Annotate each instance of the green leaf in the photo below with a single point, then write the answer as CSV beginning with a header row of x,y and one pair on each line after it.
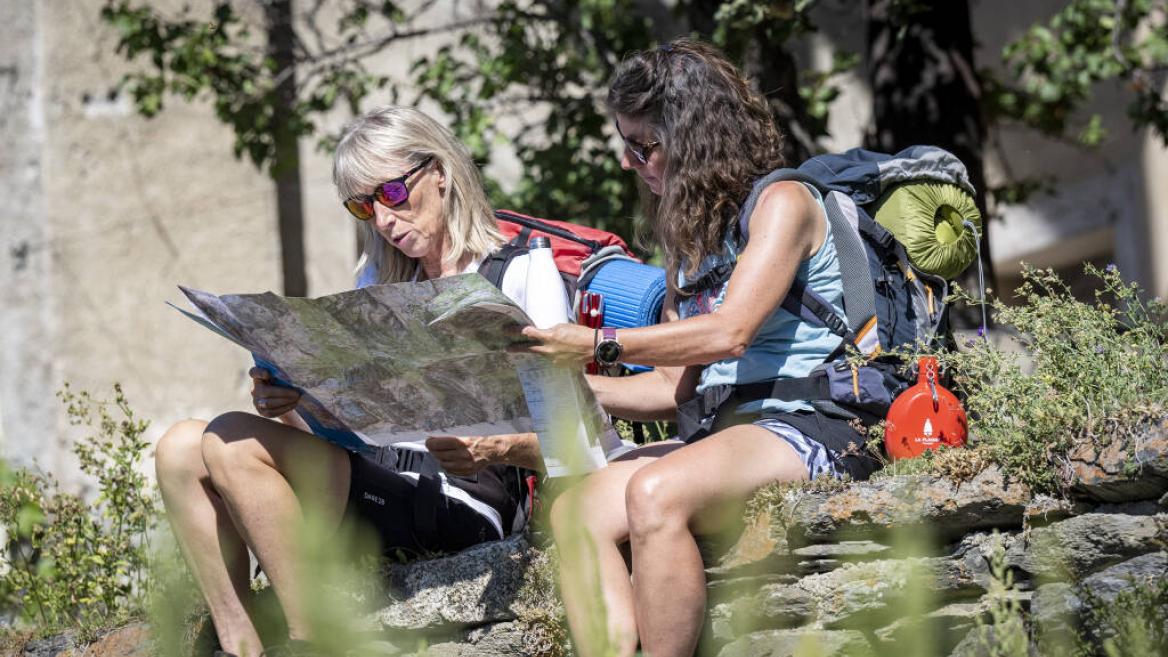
x,y
28,517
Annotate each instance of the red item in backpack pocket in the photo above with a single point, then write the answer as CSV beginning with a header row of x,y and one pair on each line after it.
x,y
571,243
925,416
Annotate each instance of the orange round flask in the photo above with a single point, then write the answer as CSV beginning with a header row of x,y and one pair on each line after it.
x,y
925,416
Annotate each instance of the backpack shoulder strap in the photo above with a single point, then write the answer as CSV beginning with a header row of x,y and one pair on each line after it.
x,y
531,223
859,292
495,265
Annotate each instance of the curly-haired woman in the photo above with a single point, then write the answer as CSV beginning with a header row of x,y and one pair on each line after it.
x,y
699,139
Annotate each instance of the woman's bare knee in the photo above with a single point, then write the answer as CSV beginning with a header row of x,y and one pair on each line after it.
x,y
178,454
596,504
227,446
237,447
562,513
573,515
654,501
234,426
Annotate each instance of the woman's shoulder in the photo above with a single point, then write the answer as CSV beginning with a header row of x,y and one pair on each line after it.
x,y
785,200
790,194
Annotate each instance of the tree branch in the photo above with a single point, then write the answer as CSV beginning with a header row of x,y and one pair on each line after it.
x,y
355,51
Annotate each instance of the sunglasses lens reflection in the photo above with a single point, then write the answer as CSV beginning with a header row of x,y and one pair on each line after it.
x,y
361,209
392,193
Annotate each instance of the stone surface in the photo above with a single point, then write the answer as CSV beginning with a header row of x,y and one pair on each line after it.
x,y
753,551
776,605
862,594
725,589
766,596
1104,586
1056,606
1123,470
1079,546
975,643
787,643
497,640
923,506
1044,509
844,549
947,625
49,646
129,641
760,549
471,588
975,551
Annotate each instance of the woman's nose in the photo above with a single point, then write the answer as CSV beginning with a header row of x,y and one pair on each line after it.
x,y
382,216
627,162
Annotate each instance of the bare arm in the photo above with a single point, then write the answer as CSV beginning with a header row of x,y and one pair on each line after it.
x,y
462,455
647,396
784,230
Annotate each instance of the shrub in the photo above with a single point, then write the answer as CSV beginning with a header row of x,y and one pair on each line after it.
x,y
1100,372
68,561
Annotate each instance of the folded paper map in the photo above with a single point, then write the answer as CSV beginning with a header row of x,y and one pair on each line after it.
x,y
397,363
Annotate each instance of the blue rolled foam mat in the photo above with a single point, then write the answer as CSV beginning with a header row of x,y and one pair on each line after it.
x,y
633,293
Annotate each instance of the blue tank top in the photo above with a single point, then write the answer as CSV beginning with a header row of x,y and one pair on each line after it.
x,y
786,346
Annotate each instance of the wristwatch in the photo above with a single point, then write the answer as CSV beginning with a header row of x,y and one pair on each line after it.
x,y
608,349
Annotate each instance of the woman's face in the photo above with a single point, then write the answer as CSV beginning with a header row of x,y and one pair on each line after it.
x,y
417,226
639,139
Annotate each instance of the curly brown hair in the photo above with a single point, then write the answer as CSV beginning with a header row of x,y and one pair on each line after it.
x,y
718,137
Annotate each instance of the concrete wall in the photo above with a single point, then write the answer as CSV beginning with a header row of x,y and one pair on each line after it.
x,y
106,213
27,350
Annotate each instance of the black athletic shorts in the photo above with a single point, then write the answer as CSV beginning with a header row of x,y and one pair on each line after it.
x,y
406,521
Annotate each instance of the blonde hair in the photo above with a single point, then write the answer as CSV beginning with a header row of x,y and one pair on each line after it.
x,y
382,138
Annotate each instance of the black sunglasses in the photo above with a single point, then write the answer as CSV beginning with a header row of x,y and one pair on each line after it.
x,y
390,193
641,151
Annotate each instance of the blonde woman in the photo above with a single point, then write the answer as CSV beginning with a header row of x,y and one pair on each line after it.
x,y
240,481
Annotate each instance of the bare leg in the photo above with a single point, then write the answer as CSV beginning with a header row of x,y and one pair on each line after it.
x,y
700,489
269,475
212,547
590,527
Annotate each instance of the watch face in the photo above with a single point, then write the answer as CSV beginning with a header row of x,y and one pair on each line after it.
x,y
608,352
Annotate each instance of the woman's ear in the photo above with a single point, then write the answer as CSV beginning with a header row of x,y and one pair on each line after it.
x,y
441,178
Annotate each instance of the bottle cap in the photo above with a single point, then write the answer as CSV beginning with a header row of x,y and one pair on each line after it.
x,y
539,243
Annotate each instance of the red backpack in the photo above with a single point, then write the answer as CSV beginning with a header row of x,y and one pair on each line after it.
x,y
578,250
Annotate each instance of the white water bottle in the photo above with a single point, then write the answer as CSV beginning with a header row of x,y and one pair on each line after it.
x,y
555,394
545,285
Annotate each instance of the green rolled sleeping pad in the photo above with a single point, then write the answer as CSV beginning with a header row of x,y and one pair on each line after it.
x,y
926,218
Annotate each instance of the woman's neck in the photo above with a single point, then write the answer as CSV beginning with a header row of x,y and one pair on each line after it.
x,y
438,267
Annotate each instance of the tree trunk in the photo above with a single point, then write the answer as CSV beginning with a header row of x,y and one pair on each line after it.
x,y
286,164
926,91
